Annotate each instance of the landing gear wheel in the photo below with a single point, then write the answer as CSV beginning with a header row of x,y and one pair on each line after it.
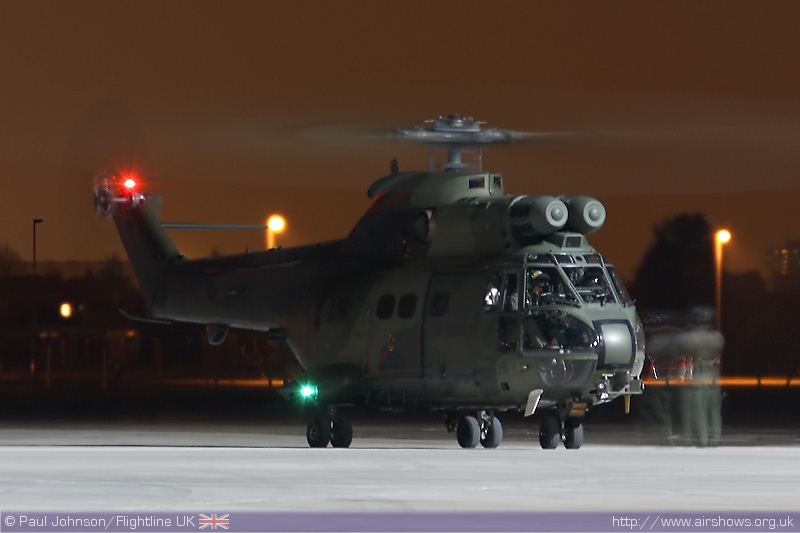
x,y
468,432
550,433
318,432
491,433
573,433
341,432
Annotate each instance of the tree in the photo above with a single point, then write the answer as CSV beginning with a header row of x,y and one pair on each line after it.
x,y
677,273
10,261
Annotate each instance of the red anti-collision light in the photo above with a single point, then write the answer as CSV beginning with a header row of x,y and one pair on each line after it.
x,y
130,183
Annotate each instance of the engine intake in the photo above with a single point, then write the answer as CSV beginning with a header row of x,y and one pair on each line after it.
x,y
586,214
534,216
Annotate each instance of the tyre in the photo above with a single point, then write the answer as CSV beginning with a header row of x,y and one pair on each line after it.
x,y
468,432
318,432
341,432
573,434
550,433
492,434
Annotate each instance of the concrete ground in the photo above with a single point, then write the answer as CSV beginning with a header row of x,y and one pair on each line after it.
x,y
401,463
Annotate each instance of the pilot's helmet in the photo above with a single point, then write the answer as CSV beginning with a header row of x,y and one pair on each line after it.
x,y
539,278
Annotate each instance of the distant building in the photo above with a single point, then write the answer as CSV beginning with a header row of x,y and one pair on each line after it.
x,y
784,265
93,345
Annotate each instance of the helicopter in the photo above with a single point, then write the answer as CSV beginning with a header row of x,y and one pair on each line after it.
x,y
448,294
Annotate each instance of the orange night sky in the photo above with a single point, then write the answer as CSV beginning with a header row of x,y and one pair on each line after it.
x,y
230,109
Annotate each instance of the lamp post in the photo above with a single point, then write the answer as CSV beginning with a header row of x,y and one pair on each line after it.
x,y
275,224
35,339
722,237
36,221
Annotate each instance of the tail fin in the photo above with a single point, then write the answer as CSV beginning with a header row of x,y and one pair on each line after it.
x,y
135,215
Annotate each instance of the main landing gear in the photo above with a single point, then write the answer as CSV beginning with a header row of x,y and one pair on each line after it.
x,y
330,428
471,430
552,431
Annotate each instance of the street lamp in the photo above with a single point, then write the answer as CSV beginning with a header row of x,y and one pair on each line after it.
x,y
275,224
35,339
36,221
723,236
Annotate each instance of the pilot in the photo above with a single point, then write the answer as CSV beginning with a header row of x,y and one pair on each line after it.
x,y
592,287
539,284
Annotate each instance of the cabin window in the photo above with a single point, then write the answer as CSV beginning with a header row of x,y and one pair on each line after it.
x,y
407,305
385,306
498,182
491,300
477,183
439,304
511,293
540,258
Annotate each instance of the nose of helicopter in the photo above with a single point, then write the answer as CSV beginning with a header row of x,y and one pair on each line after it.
x,y
617,344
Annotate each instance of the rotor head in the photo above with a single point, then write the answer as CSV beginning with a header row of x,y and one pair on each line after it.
x,y
460,135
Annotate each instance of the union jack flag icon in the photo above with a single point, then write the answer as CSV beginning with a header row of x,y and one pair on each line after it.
x,y
214,521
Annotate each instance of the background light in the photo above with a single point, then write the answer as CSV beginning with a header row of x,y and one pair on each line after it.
x,y
721,237
275,224
65,310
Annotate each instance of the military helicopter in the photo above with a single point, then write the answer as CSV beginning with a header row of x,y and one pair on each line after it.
x,y
448,294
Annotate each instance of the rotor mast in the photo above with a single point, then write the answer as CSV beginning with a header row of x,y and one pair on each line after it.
x,y
460,136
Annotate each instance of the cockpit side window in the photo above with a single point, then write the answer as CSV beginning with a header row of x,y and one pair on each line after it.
x,y
591,283
622,294
511,292
545,285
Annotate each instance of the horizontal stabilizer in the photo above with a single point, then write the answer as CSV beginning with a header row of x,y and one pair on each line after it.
x,y
145,319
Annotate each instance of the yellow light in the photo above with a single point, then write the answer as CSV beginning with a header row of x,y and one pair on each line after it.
x,y
276,223
66,310
723,236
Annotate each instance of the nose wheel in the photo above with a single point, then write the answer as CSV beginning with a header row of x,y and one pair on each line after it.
x,y
552,432
485,429
573,433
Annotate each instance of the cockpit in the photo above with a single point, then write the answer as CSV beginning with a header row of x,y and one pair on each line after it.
x,y
544,306
574,280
